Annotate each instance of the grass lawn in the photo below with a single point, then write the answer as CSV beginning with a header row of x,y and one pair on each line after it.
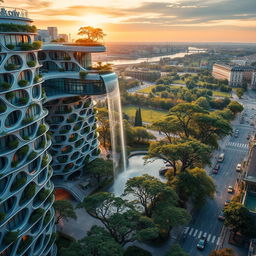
x,y
148,115
178,82
221,94
147,90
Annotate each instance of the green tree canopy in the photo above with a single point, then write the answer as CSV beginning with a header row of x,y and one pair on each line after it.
x,y
120,218
91,34
182,155
64,210
239,92
141,134
135,250
195,184
100,169
147,190
176,250
184,114
98,242
238,219
235,107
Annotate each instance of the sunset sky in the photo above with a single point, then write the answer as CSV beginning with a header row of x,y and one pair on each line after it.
x,y
150,20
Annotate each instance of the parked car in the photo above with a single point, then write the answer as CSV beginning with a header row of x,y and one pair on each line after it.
x,y
216,168
239,168
201,243
221,217
230,189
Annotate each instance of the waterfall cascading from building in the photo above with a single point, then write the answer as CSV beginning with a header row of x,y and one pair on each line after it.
x,y
116,125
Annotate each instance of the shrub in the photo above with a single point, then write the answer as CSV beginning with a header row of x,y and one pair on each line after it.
x,y
28,193
31,156
10,95
13,144
10,237
31,63
63,131
41,129
42,195
83,74
37,78
18,183
27,120
4,27
23,151
47,217
10,46
4,86
23,100
23,83
11,66
2,216
36,215
61,70
44,161
14,163
67,58
2,108
42,144
37,45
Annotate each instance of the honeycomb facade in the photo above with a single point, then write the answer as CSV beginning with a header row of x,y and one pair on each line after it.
x,y
26,192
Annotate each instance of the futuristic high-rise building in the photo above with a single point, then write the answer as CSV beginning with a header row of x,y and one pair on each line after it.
x,y
47,127
26,192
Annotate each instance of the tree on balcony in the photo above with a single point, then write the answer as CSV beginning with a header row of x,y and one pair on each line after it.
x,y
64,210
91,35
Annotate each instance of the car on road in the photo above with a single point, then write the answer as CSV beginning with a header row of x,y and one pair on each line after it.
x,y
221,216
239,167
248,137
227,202
216,168
230,189
221,157
201,243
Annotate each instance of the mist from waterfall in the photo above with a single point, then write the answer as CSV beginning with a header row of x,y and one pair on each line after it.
x,y
116,124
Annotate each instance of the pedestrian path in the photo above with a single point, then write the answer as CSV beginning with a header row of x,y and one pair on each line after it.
x,y
196,233
237,145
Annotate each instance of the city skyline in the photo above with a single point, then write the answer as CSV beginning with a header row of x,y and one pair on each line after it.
x,y
150,21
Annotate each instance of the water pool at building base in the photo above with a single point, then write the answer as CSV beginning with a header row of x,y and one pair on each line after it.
x,y
136,167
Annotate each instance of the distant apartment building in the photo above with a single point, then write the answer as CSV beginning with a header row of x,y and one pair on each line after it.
x,y
150,76
236,75
249,179
63,36
43,35
53,32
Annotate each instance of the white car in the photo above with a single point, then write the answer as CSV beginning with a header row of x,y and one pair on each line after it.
x,y
230,189
239,168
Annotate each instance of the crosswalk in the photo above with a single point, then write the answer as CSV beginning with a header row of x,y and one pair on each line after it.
x,y
237,145
196,233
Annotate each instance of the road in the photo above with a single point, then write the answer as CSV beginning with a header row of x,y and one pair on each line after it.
x,y
235,149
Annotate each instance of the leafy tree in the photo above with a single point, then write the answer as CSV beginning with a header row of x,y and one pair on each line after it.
x,y
166,215
147,191
182,155
104,127
169,127
238,219
91,34
235,107
120,218
184,114
210,127
223,252
176,250
138,118
239,92
98,242
203,103
100,169
135,250
141,134
64,210
195,184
